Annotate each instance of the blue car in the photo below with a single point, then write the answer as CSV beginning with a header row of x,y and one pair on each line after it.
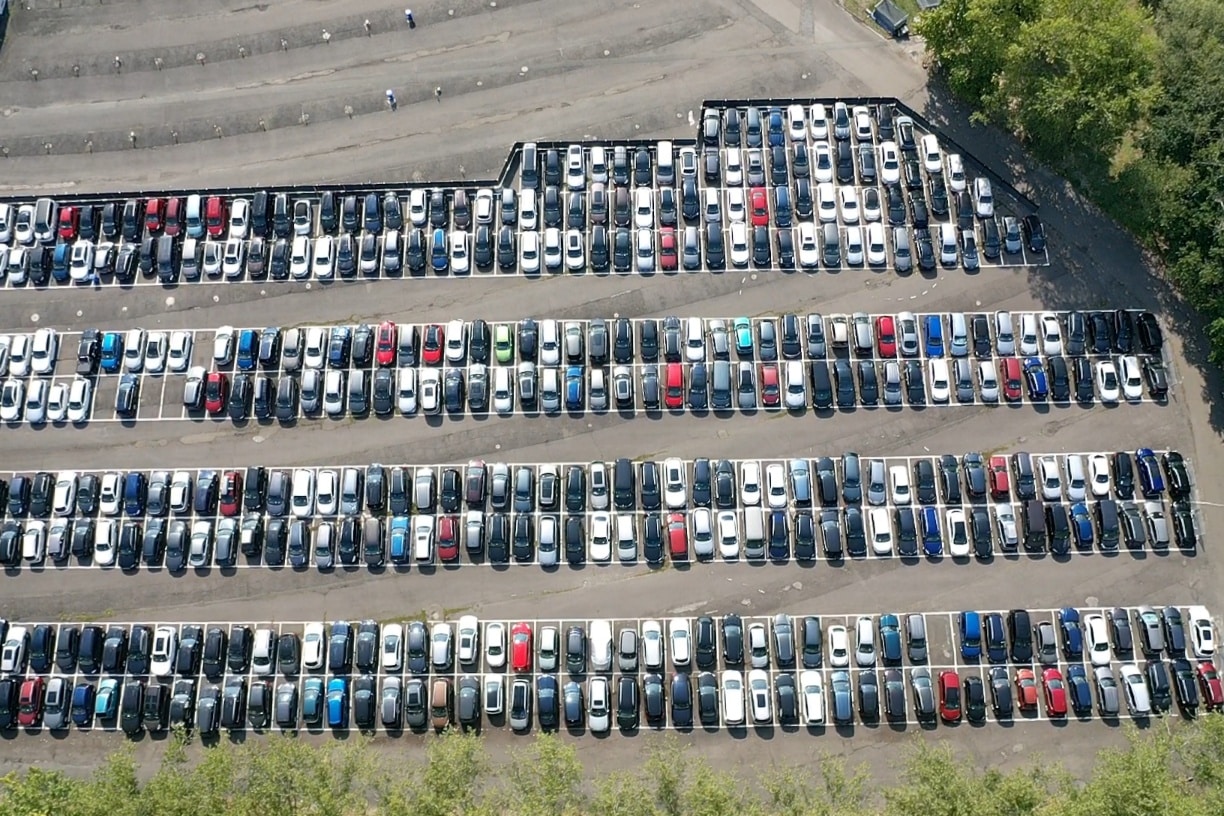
x,y
1081,526
1034,373
971,635
932,540
106,704
1150,476
439,254
890,639
573,388
933,329
1073,637
1077,690
337,703
400,540
111,357
312,700
82,705
996,638
248,347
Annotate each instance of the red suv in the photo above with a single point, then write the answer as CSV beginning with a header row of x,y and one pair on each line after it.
x,y
216,392
1012,379
1000,478
231,493
771,393
174,216
215,215
758,203
385,354
677,537
435,342
886,335
448,538
667,249
949,697
29,704
520,647
69,221
153,215
675,386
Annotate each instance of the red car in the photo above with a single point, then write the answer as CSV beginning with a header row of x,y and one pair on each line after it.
x,y
758,203
949,697
1011,379
667,249
174,216
153,215
435,343
1055,692
1000,478
677,537
674,397
1209,683
771,393
1026,689
69,221
384,354
448,538
886,331
29,704
215,215
231,493
216,392
520,647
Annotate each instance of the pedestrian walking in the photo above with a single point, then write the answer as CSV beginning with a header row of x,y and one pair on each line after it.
x,y
391,100
408,18
438,93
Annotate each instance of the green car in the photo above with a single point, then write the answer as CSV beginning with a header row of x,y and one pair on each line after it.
x,y
743,337
106,704
503,343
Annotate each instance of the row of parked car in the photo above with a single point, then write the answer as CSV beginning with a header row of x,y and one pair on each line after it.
x,y
735,673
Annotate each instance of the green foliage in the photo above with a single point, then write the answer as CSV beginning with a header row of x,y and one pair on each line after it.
x,y
1170,771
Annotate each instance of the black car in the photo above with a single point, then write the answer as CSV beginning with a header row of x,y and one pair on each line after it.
x,y
1034,233
89,353
733,640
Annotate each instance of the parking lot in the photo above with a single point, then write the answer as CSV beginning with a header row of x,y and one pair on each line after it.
x,y
629,513
1084,274
916,651
770,179
795,363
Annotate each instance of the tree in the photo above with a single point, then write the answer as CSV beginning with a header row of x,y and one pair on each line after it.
x,y
543,780
968,41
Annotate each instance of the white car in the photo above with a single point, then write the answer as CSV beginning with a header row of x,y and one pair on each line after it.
x,y
315,354
847,196
890,163
327,498
1132,378
822,162
759,695
881,530
503,390
553,253
456,341
81,261
1051,334
599,706
1138,699
679,637
323,264
854,246
899,478
302,500
775,486
34,541
469,639
80,400
223,346
652,645
19,355
575,251
165,648
601,537
104,543
178,355
43,351
941,380
956,173
431,388
932,157
299,257
809,250
811,690
406,392
110,494
826,202
239,219
643,207
13,654
1202,634
1099,475
36,402
839,647
23,225
728,534
732,698
1005,526
703,532
212,262
1107,382
675,489
818,121
1096,640
877,249
750,484
495,645
864,637
1028,334
12,400
459,262
529,252
795,125
737,207
57,402
1077,482
1051,478
392,647
333,392
155,351
734,169
314,646
739,244
796,386
984,197
957,533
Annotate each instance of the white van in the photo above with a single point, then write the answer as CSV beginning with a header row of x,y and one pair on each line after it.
x,y
550,344
192,217
599,165
947,244
192,255
601,645
423,538
665,171
754,532
733,698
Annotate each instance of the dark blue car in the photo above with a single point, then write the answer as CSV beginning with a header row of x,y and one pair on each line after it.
x,y
1073,636
1081,526
573,388
1078,693
82,705
248,348
1150,477
1034,373
932,541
